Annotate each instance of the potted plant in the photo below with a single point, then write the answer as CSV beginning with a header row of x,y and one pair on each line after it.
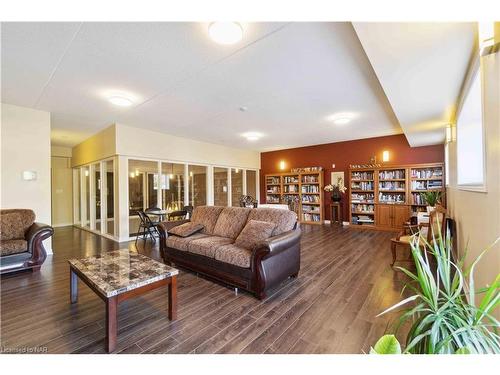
x,y
447,314
336,189
431,198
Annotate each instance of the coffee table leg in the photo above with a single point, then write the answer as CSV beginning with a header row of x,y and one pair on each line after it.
x,y
111,324
172,298
73,286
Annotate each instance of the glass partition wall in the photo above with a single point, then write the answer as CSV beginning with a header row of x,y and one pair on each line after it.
x,y
152,184
93,197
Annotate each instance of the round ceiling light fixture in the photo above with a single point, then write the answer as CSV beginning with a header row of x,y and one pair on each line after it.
x,y
120,101
252,136
341,118
225,32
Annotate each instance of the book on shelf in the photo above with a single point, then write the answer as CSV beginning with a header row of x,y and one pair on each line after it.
x,y
310,179
311,217
361,185
310,199
396,174
366,208
391,198
362,197
310,188
272,180
361,175
436,172
392,185
291,179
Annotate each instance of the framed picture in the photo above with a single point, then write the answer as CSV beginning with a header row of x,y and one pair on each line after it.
x,y
335,176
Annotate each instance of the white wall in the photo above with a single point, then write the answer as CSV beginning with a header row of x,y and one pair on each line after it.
x,y
477,214
25,140
143,143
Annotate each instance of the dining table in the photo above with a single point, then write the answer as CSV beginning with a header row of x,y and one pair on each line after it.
x,y
161,214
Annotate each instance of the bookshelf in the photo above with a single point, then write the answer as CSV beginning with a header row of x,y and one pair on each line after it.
x,y
303,192
385,197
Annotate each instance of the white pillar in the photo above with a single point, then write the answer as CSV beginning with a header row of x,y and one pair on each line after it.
x,y
210,185
121,215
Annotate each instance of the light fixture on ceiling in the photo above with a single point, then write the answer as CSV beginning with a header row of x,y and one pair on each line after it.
x,y
225,32
341,118
120,101
252,136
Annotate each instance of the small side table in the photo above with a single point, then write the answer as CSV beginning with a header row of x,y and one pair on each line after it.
x,y
336,213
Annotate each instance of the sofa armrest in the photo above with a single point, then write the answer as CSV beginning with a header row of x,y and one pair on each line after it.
x,y
277,244
34,236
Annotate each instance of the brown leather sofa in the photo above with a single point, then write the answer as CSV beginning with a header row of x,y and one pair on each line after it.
x,y
212,252
21,239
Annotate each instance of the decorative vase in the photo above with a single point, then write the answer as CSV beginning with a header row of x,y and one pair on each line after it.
x,y
430,209
336,196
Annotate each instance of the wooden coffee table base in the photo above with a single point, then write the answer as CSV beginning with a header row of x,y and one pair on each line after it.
x,y
112,302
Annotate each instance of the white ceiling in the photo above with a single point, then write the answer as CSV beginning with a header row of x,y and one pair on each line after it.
x,y
421,67
289,76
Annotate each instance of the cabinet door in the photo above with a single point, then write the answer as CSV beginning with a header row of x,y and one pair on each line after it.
x,y
401,215
384,216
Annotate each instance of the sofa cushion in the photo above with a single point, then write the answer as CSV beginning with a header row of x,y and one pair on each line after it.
x,y
207,246
254,233
206,216
9,247
181,243
186,229
231,221
284,219
234,255
14,223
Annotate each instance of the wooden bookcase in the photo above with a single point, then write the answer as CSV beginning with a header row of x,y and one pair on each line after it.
x,y
302,191
385,197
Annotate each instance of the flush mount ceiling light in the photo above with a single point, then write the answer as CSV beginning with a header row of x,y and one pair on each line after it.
x,y
225,32
120,101
341,118
252,136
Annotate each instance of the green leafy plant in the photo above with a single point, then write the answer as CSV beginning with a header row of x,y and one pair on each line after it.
x,y
387,344
431,197
445,318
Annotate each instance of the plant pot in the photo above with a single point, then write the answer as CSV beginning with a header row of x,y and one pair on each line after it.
x,y
430,209
336,196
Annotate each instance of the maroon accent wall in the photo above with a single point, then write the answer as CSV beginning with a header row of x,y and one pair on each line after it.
x,y
342,154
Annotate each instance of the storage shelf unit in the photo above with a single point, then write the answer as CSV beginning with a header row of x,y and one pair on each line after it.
x,y
303,192
385,197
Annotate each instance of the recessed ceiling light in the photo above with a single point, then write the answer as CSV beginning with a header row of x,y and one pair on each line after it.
x,y
225,32
252,136
341,118
120,101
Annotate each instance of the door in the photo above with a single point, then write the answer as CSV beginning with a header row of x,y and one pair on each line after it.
x,y
401,215
384,216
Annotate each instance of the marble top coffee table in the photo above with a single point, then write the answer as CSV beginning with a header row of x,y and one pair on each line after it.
x,y
119,275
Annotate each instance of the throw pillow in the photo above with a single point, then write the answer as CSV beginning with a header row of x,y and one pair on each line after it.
x,y
254,233
186,229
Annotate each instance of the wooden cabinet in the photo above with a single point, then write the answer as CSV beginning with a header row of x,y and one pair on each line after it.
x,y
392,216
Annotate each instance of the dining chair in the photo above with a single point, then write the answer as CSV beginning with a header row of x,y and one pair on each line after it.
x,y
147,227
425,232
177,215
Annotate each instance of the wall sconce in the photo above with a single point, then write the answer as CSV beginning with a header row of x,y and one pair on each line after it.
x,y
282,165
29,175
86,173
385,156
132,174
136,173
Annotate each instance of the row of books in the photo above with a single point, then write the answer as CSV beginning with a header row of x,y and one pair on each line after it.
x,y
310,209
363,207
291,180
362,197
427,173
272,199
291,189
310,199
273,180
427,185
363,185
362,176
393,174
391,198
310,179
362,219
311,217
391,185
310,189
273,189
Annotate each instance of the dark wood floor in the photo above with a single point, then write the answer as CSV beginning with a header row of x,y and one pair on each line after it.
x,y
345,280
